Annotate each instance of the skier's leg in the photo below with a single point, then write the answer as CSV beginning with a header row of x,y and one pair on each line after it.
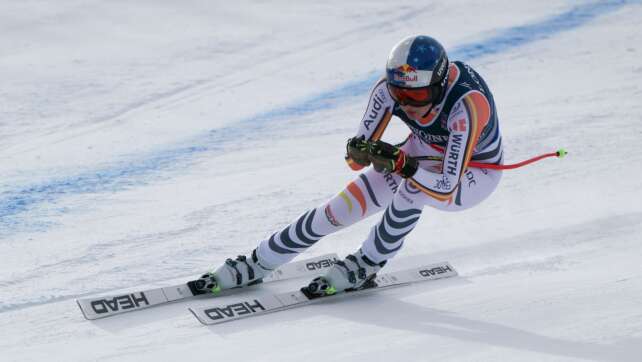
x,y
387,237
401,216
383,242
369,193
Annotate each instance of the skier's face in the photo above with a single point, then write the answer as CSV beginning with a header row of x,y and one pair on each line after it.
x,y
416,113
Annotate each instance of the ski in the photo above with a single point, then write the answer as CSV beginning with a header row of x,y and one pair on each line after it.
x,y
107,306
269,303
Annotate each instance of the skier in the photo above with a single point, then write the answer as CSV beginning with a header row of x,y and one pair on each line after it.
x,y
451,113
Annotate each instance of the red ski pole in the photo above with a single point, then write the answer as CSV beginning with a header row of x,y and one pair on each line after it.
x,y
559,153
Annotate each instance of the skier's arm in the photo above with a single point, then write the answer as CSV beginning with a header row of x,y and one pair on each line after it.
x,y
468,118
375,119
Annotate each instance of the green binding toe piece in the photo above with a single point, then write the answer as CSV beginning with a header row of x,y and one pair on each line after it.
x,y
561,153
216,289
331,290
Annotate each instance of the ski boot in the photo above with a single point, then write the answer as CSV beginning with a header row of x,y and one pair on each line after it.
x,y
241,272
355,272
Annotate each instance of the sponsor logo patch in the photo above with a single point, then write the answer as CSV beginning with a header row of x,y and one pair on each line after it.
x,y
435,271
321,264
121,302
390,181
373,115
411,188
459,125
234,310
470,176
453,156
406,73
428,137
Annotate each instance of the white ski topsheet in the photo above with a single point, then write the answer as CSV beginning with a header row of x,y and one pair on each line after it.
x,y
267,303
106,306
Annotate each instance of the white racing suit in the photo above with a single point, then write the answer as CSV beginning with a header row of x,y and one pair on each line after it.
x,y
463,127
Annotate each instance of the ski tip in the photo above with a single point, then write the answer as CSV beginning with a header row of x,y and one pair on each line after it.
x,y
82,310
452,268
197,316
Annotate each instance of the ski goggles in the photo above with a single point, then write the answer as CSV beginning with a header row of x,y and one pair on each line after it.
x,y
416,97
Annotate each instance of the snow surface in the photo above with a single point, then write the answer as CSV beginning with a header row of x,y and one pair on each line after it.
x,y
143,142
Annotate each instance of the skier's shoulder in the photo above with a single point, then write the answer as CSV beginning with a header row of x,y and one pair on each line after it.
x,y
465,83
466,78
380,90
380,96
462,76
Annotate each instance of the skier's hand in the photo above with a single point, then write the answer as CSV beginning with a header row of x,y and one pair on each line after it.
x,y
357,150
388,158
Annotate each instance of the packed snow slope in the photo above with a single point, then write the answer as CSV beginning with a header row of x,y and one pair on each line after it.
x,y
142,143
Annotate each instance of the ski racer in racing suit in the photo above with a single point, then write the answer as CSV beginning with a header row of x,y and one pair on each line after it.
x,y
452,115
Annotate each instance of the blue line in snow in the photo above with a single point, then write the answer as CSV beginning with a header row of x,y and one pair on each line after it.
x,y
24,209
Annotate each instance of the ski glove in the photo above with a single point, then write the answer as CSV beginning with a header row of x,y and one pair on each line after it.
x,y
357,150
388,158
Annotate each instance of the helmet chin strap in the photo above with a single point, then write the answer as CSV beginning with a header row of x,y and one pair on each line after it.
x,y
432,105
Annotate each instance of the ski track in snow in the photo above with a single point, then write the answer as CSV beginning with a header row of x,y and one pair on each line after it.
x,y
139,170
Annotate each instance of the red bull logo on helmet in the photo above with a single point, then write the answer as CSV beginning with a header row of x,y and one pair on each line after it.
x,y
405,73
407,68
